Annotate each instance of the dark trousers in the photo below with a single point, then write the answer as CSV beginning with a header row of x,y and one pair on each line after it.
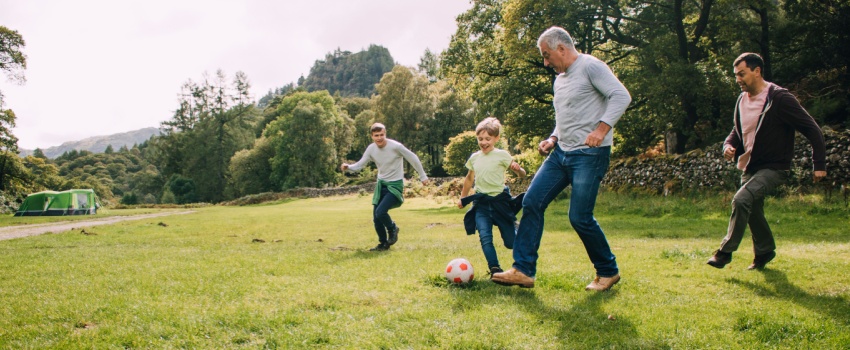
x,y
748,209
381,214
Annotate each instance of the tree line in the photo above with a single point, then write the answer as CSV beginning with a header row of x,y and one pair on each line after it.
x,y
675,57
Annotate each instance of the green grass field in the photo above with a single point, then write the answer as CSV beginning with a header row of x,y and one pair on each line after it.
x,y
203,282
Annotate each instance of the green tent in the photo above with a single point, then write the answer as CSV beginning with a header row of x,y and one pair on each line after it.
x,y
52,203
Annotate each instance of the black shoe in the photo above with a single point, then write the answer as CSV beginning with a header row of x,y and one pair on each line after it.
x,y
720,259
495,270
393,236
380,247
761,260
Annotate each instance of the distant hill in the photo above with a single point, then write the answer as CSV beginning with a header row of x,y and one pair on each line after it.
x,y
350,74
97,144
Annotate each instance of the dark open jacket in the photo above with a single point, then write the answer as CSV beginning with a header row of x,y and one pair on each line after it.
x,y
773,147
504,207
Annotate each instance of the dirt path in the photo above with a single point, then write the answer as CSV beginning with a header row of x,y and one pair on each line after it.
x,y
11,232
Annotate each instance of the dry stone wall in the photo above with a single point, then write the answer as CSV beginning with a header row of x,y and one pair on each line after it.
x,y
696,171
707,170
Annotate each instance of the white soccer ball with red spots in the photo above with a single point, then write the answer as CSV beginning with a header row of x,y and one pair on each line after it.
x,y
459,271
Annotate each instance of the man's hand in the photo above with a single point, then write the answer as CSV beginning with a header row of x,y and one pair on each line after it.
x,y
426,181
819,174
595,138
546,146
729,153
343,167
459,204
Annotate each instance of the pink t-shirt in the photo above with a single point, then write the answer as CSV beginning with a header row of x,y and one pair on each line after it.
x,y
751,108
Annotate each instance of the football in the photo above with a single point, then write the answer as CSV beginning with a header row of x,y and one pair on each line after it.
x,y
459,271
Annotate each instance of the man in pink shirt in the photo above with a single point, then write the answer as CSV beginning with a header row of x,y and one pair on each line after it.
x,y
762,142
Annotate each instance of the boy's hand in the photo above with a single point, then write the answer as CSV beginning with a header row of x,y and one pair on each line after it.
x,y
343,167
459,204
517,169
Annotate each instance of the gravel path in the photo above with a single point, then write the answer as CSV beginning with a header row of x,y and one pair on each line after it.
x,y
11,232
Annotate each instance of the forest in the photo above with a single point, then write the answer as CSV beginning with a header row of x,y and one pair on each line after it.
x,y
675,57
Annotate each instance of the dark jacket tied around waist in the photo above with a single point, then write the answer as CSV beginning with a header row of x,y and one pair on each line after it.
x,y
504,207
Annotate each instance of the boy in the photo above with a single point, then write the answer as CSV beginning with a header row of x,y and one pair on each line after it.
x,y
493,203
387,155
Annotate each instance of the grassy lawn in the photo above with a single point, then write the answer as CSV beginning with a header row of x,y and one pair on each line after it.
x,y
203,282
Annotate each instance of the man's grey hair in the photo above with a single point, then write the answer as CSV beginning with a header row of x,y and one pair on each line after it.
x,y
554,36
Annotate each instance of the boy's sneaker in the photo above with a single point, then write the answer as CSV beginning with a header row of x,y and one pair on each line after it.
x,y
393,236
495,270
761,260
380,247
720,259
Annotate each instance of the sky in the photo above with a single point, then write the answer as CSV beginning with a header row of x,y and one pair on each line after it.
x,y
100,67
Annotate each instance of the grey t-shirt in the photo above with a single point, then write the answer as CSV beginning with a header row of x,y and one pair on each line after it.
x,y
389,161
586,94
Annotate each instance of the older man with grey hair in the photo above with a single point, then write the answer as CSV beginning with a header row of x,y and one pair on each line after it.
x,y
588,101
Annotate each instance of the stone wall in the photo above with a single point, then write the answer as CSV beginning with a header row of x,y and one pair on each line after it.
x,y
705,169
696,171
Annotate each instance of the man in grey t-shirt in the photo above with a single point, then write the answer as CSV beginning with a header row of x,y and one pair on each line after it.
x,y
588,101
388,156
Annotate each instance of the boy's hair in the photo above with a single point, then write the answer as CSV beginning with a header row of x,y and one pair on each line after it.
x,y
490,125
377,127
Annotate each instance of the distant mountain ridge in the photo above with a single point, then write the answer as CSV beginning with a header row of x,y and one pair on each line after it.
x,y
98,144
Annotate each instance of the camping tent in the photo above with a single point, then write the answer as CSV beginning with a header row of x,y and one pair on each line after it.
x,y
51,203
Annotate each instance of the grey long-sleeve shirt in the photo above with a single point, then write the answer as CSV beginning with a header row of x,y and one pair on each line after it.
x,y
389,161
586,94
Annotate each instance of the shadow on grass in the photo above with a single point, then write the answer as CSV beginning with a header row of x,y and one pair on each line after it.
x,y
448,209
778,286
581,324
584,323
345,254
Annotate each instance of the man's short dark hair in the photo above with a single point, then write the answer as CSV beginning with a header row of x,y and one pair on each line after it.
x,y
377,127
752,60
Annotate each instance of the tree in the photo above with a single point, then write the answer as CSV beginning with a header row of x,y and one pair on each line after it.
x,y
657,49
250,169
44,175
429,64
404,104
453,114
349,74
812,58
13,62
214,120
458,150
309,138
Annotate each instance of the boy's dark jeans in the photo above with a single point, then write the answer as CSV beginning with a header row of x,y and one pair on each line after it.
x,y
380,214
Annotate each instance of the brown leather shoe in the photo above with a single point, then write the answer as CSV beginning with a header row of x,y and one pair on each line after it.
x,y
761,260
513,277
601,284
719,259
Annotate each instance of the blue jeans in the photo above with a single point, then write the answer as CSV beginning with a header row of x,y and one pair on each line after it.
x,y
584,170
484,225
381,214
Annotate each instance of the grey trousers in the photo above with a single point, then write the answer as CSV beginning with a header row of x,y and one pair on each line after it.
x,y
748,209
